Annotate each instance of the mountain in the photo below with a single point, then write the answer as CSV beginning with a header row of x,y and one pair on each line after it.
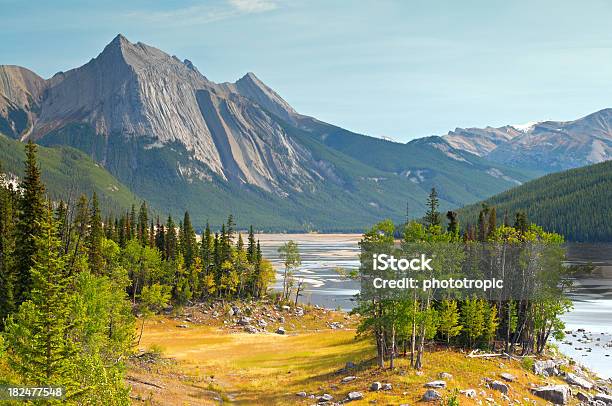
x,y
67,173
182,142
574,203
548,146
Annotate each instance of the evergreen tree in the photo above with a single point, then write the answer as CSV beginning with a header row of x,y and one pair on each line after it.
x,y
206,249
171,240
492,220
95,237
251,246
189,245
432,216
40,351
521,223
7,246
132,230
143,224
453,222
31,213
152,235
160,239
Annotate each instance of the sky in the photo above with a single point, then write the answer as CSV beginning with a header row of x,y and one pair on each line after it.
x,y
398,69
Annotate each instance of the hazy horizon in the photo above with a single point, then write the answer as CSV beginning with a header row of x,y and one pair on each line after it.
x,y
389,68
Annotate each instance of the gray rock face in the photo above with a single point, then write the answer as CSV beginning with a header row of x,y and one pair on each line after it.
x,y
137,91
547,145
557,394
20,95
436,384
578,381
431,395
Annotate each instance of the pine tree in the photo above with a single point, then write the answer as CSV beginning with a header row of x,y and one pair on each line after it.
x,y
453,222
432,216
483,227
152,235
251,246
7,246
95,237
189,245
40,352
143,224
160,239
31,212
206,249
171,240
132,231
492,220
521,223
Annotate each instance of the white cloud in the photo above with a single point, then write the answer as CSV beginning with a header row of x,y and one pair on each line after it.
x,y
253,6
204,13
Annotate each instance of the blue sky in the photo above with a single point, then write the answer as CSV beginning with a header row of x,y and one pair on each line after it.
x,y
401,69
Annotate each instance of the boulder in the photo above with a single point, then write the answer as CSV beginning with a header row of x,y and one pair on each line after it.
x,y
583,397
376,386
280,330
245,321
348,379
387,386
431,395
607,399
470,393
436,384
326,397
235,311
286,308
250,329
578,381
508,377
557,394
301,394
549,367
354,396
445,375
499,386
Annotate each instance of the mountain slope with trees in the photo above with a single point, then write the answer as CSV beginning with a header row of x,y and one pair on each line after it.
x,y
574,203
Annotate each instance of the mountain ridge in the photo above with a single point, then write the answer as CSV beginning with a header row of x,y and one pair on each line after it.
x,y
151,118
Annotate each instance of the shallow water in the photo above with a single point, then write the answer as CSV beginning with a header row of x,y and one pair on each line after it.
x,y
322,254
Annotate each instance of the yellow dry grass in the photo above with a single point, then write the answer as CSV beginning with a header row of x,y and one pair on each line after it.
x,y
269,369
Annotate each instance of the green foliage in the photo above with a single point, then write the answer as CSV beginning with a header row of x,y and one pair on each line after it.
x,y
289,253
449,320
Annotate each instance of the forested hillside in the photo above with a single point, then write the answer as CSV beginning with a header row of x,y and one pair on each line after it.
x,y
574,203
68,173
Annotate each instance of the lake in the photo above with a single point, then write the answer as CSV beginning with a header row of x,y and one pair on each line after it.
x,y
323,254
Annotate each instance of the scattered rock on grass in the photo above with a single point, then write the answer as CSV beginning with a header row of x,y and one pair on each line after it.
x,y
436,384
578,381
387,386
607,399
583,397
508,377
470,393
326,397
376,386
500,386
280,330
347,379
557,394
301,394
431,395
354,396
445,375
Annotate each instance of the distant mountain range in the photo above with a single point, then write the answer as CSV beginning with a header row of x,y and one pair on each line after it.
x,y
547,146
574,203
181,141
